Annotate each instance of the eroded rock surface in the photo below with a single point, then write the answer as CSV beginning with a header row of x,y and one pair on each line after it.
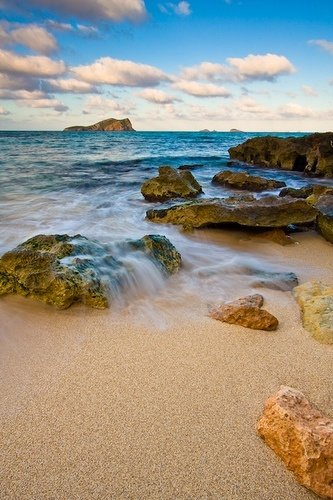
x,y
242,180
316,303
324,222
269,211
171,183
246,312
60,269
302,437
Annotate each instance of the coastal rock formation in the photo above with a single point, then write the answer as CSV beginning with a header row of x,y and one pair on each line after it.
x,y
284,281
324,222
170,183
316,303
242,180
278,236
269,211
303,192
109,125
311,154
60,269
246,312
302,437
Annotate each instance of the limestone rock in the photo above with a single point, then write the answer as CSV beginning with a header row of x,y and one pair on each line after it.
x,y
324,222
316,303
246,312
278,236
311,154
302,437
303,192
109,125
242,180
269,211
61,269
170,183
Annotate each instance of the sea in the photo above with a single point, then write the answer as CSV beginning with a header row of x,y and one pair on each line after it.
x,y
89,183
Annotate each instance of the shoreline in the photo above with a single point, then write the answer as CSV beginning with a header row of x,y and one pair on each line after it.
x,y
156,400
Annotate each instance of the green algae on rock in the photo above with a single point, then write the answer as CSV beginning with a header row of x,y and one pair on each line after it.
x,y
269,211
61,270
170,183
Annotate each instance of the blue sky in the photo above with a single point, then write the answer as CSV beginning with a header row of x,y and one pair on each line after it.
x,y
249,64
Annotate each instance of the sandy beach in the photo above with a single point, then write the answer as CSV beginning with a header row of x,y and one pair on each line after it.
x,y
155,402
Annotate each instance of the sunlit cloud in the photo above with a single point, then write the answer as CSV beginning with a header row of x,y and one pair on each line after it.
x,y
102,105
40,66
157,96
33,99
70,85
119,72
201,89
323,44
294,110
32,36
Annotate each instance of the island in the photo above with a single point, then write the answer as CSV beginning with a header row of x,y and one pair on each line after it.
x,y
236,130
108,125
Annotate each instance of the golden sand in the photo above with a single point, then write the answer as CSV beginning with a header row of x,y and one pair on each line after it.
x,y
98,405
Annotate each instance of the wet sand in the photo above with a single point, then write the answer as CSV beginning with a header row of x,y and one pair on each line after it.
x,y
157,406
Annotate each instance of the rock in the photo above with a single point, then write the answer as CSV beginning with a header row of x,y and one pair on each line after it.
x,y
324,223
302,437
246,312
317,192
311,154
316,303
109,125
192,166
61,269
170,184
269,211
277,236
303,192
284,281
242,180
236,130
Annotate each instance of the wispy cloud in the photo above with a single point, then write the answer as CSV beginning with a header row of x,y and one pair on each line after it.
x,y
3,111
324,44
201,89
33,99
102,105
181,8
309,91
157,96
120,72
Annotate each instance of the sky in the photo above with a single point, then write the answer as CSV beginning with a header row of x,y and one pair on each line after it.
x,y
254,65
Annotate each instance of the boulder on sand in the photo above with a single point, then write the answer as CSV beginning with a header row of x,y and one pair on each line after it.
x,y
302,437
171,183
60,269
242,180
269,211
324,223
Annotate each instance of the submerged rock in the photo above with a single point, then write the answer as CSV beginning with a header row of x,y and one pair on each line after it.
x,y
302,437
171,183
316,303
284,281
269,211
109,125
276,235
242,180
324,223
60,269
311,154
246,312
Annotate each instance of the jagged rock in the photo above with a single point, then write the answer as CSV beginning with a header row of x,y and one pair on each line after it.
x,y
61,269
316,303
170,184
109,125
242,180
311,154
302,437
324,223
269,211
246,312
303,192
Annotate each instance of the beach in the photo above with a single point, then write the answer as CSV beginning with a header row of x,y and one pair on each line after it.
x,y
158,400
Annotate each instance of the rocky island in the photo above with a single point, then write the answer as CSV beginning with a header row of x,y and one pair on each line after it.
x,y
108,125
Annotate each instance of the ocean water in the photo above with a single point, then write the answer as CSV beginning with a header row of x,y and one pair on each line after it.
x,y
89,183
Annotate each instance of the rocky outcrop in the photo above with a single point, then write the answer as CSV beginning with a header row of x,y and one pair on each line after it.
x,y
303,192
109,125
170,183
311,154
60,269
302,437
324,222
316,303
269,211
242,180
246,312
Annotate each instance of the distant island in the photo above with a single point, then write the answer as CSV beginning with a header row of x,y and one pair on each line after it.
x,y
235,130
207,130
109,125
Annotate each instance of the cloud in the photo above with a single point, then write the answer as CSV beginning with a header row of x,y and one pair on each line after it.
x,y
38,66
33,99
157,96
102,105
201,89
309,91
249,105
181,8
115,10
324,44
119,72
3,111
32,36
70,85
55,25
294,110
252,67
